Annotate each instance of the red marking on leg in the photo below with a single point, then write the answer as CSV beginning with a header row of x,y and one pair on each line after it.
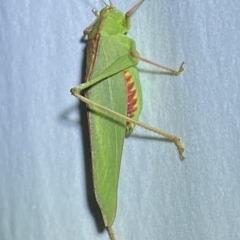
x,y
131,95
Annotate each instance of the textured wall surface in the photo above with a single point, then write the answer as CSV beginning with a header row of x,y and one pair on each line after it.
x,y
45,176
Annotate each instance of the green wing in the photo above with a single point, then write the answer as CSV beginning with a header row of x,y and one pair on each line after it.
x,y
106,132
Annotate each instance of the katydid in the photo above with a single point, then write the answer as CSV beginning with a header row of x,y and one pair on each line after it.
x,y
114,99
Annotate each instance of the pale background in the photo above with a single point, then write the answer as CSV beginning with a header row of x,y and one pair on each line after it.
x,y
45,181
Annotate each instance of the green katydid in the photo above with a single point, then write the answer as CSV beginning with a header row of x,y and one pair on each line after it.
x,y
114,99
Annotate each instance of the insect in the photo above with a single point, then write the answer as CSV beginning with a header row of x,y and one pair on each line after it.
x,y
114,99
